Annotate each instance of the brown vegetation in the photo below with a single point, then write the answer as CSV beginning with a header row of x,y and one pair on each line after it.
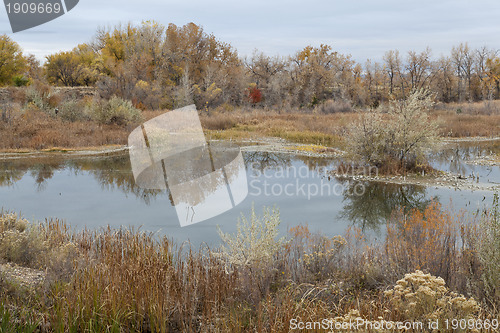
x,y
122,280
35,129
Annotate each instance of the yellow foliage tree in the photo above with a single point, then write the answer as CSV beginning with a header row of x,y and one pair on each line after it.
x,y
12,61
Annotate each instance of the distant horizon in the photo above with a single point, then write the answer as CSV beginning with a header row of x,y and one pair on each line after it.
x,y
364,30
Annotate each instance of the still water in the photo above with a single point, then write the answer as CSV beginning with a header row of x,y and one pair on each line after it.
x,y
93,192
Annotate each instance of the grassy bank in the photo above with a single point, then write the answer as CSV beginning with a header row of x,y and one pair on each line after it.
x,y
39,119
481,119
432,265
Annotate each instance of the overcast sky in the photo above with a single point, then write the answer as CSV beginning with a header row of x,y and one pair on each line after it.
x,y
363,28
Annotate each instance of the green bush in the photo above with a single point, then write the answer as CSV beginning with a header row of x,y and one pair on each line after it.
x,y
20,80
114,111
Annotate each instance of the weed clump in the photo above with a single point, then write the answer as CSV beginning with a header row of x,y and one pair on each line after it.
x,y
423,297
114,111
255,241
489,250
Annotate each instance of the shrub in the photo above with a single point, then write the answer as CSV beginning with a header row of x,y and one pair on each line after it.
x,y
402,134
423,297
320,255
255,241
8,112
36,246
114,111
333,106
20,80
42,97
424,240
18,243
73,110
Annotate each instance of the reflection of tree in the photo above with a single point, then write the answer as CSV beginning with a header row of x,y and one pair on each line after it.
x,y
454,158
315,163
114,172
40,169
111,172
42,172
369,204
260,160
10,175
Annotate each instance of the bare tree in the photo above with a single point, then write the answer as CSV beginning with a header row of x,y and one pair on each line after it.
x,y
419,67
463,60
392,68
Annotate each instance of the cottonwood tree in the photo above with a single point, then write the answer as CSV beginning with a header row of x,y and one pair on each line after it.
x,y
64,68
493,65
481,68
392,67
12,61
149,63
311,74
374,78
34,70
207,60
444,82
78,67
419,69
463,60
267,74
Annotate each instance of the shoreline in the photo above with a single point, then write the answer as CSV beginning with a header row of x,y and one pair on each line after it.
x,y
282,146
274,144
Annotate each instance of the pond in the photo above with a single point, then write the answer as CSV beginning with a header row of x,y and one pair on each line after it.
x,y
457,158
93,192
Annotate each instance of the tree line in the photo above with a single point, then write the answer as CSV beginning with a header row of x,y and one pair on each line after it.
x,y
157,66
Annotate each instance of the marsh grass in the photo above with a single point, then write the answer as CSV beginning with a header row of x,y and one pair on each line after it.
x,y
30,121
303,128
126,280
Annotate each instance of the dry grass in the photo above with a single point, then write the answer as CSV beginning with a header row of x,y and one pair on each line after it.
x,y
475,108
123,280
33,128
296,127
469,119
453,125
330,129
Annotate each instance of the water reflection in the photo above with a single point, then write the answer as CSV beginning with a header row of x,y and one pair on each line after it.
x,y
261,161
369,209
10,174
458,158
112,172
99,191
